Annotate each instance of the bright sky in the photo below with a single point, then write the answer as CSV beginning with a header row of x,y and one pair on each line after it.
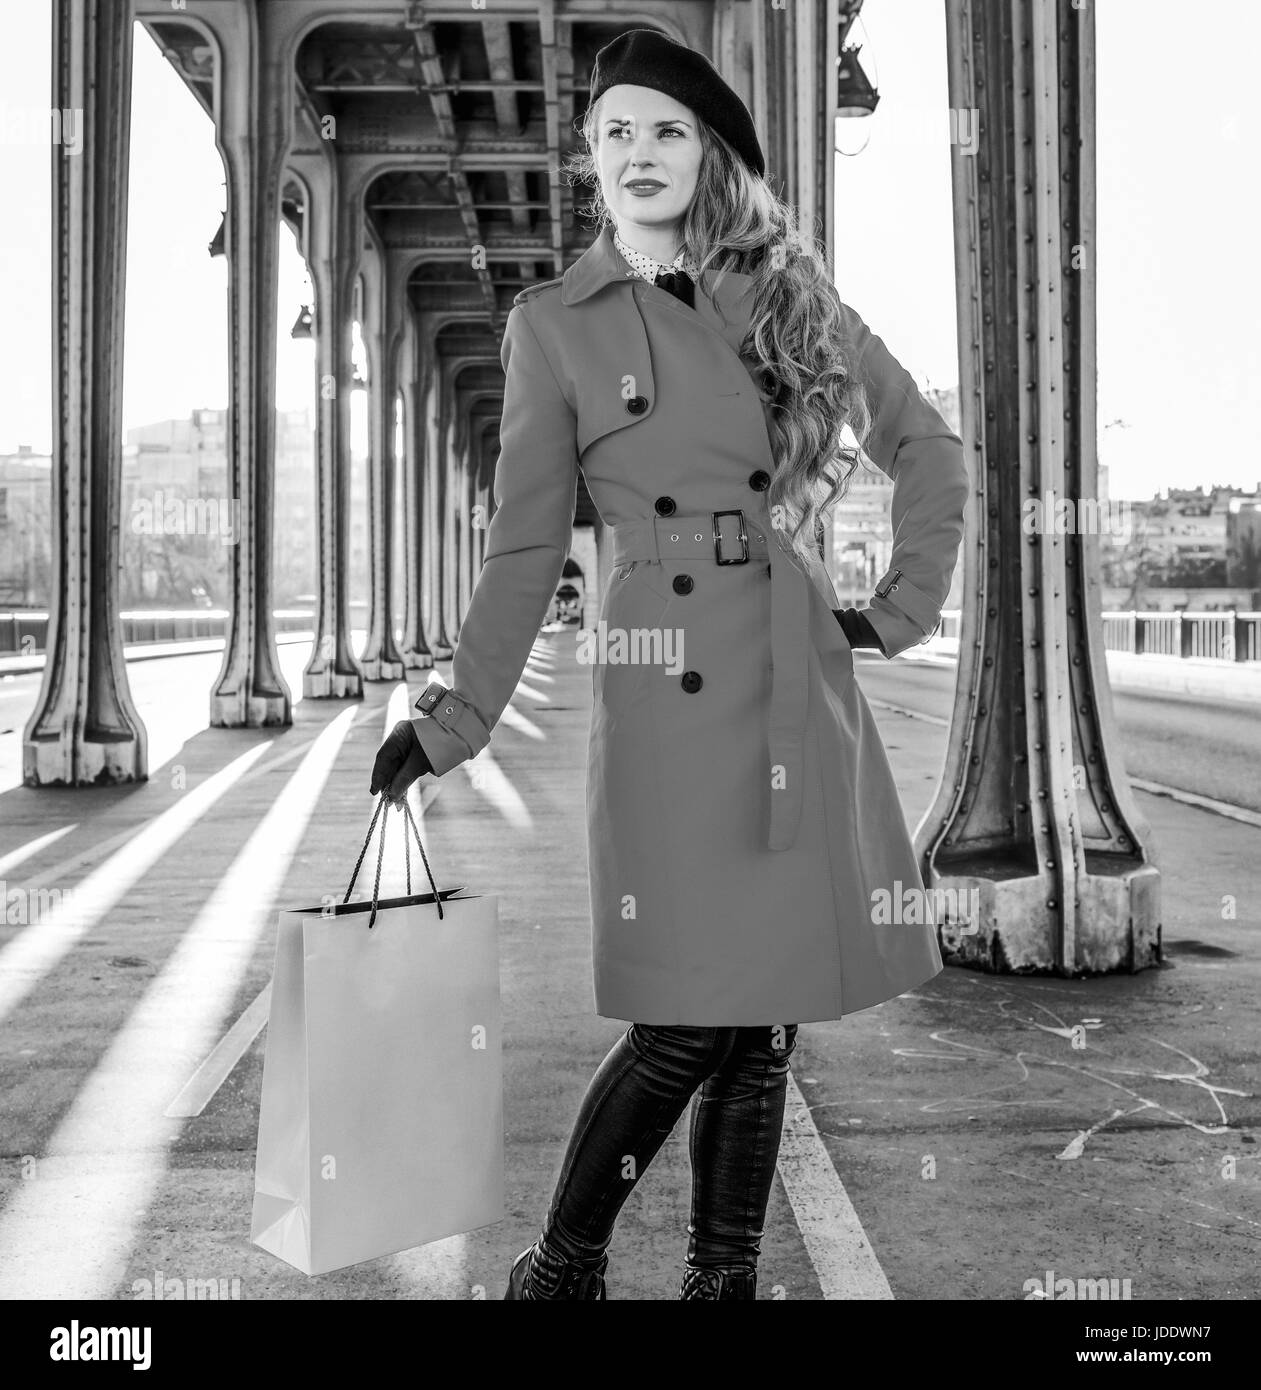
x,y
1178,212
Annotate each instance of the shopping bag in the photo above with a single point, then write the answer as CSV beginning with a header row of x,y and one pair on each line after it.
x,y
381,1118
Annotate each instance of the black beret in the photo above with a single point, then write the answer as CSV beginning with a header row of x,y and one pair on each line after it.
x,y
646,58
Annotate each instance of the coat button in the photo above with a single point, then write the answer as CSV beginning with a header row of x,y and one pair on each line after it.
x,y
691,682
760,480
665,506
637,405
682,583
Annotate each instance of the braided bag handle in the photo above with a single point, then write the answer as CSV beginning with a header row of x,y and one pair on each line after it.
x,y
384,805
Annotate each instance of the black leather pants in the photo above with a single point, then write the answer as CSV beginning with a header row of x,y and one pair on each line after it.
x,y
736,1079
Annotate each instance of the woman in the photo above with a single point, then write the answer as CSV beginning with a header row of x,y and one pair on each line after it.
x,y
744,832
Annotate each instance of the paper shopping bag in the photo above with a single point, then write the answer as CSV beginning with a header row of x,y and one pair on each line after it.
x,y
381,1120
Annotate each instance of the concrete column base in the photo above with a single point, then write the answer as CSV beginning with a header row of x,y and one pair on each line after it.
x,y
236,710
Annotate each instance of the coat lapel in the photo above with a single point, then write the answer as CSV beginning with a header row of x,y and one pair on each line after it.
x,y
724,305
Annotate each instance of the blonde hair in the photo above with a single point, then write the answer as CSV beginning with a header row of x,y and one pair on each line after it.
x,y
796,341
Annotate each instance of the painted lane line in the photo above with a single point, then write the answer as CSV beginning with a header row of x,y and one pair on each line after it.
x,y
1243,814
843,1260
909,713
1205,803
199,1090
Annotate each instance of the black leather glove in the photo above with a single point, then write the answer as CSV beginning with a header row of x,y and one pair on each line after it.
x,y
400,761
857,628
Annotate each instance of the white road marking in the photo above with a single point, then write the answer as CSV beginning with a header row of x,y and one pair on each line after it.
x,y
910,713
199,1090
843,1260
1204,803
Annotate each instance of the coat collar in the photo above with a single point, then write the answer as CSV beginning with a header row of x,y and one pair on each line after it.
x,y
601,264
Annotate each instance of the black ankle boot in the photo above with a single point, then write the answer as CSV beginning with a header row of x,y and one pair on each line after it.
x,y
717,1282
543,1273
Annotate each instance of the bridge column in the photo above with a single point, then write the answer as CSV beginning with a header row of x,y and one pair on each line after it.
x,y
252,131
85,728
464,514
449,552
470,523
380,658
336,229
481,495
434,468
415,648
1034,811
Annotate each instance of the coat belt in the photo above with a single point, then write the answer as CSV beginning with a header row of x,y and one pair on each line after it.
x,y
691,537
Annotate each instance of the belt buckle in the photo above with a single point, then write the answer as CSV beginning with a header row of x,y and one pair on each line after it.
x,y
743,538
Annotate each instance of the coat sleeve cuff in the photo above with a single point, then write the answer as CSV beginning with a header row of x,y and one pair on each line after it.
x,y
448,728
901,613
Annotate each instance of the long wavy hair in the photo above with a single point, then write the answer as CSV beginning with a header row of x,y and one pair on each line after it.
x,y
795,344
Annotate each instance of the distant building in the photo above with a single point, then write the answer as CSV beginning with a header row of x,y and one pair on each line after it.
x,y
25,529
862,537
188,458
1188,539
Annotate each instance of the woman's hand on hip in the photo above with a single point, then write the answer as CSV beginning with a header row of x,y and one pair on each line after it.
x,y
857,628
400,761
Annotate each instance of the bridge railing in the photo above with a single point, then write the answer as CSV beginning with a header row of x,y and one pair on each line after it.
x,y
1211,636
1230,635
25,632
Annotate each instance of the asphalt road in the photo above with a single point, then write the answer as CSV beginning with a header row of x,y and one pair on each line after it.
x,y
1179,741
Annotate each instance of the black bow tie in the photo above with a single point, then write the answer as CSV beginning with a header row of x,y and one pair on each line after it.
x,y
678,283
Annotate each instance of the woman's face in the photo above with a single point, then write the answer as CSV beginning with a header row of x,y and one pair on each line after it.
x,y
648,154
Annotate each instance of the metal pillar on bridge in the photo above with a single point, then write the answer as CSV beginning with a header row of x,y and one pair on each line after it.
x,y
380,658
1034,811
84,728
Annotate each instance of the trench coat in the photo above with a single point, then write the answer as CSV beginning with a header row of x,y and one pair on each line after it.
x,y
749,860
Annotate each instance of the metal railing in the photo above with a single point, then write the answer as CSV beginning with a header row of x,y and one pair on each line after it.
x,y
1231,635
1210,636
25,632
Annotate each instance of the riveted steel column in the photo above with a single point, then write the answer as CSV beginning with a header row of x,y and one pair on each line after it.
x,y
434,508
1034,816
380,658
85,728
332,671
449,553
253,138
463,523
414,647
